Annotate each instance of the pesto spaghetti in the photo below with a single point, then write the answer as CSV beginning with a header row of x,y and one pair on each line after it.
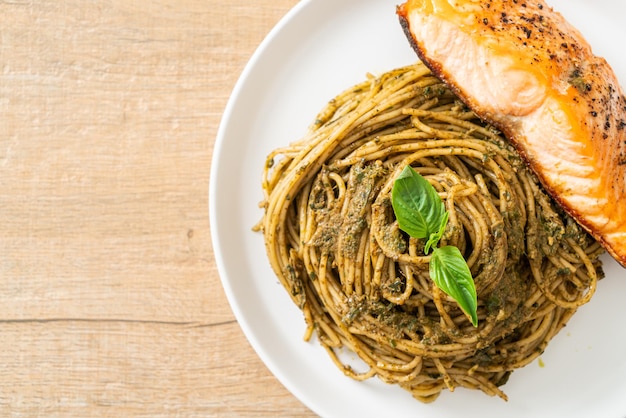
x,y
363,284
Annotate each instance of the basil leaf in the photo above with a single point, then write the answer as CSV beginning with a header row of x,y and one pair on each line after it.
x,y
418,208
450,272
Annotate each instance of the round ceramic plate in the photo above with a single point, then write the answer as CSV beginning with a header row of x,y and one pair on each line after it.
x,y
320,48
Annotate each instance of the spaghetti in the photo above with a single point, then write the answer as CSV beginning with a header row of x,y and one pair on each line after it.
x,y
362,284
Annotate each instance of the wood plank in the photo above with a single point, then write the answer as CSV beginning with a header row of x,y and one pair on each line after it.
x,y
142,369
111,301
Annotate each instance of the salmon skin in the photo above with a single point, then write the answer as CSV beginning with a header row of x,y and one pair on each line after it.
x,y
520,66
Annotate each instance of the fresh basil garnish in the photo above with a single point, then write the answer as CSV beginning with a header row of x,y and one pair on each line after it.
x,y
418,208
421,213
451,274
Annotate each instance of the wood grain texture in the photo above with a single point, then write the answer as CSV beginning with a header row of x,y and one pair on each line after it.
x,y
111,304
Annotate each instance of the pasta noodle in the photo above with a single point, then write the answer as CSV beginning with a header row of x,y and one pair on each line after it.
x,y
362,284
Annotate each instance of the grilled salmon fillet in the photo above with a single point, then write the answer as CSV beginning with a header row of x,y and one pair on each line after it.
x,y
522,67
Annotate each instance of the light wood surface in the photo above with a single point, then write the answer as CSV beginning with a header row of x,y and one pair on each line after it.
x,y
111,304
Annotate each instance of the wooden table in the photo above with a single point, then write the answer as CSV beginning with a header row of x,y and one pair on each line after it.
x,y
111,304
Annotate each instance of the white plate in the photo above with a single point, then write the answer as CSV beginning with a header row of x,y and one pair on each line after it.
x,y
317,50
